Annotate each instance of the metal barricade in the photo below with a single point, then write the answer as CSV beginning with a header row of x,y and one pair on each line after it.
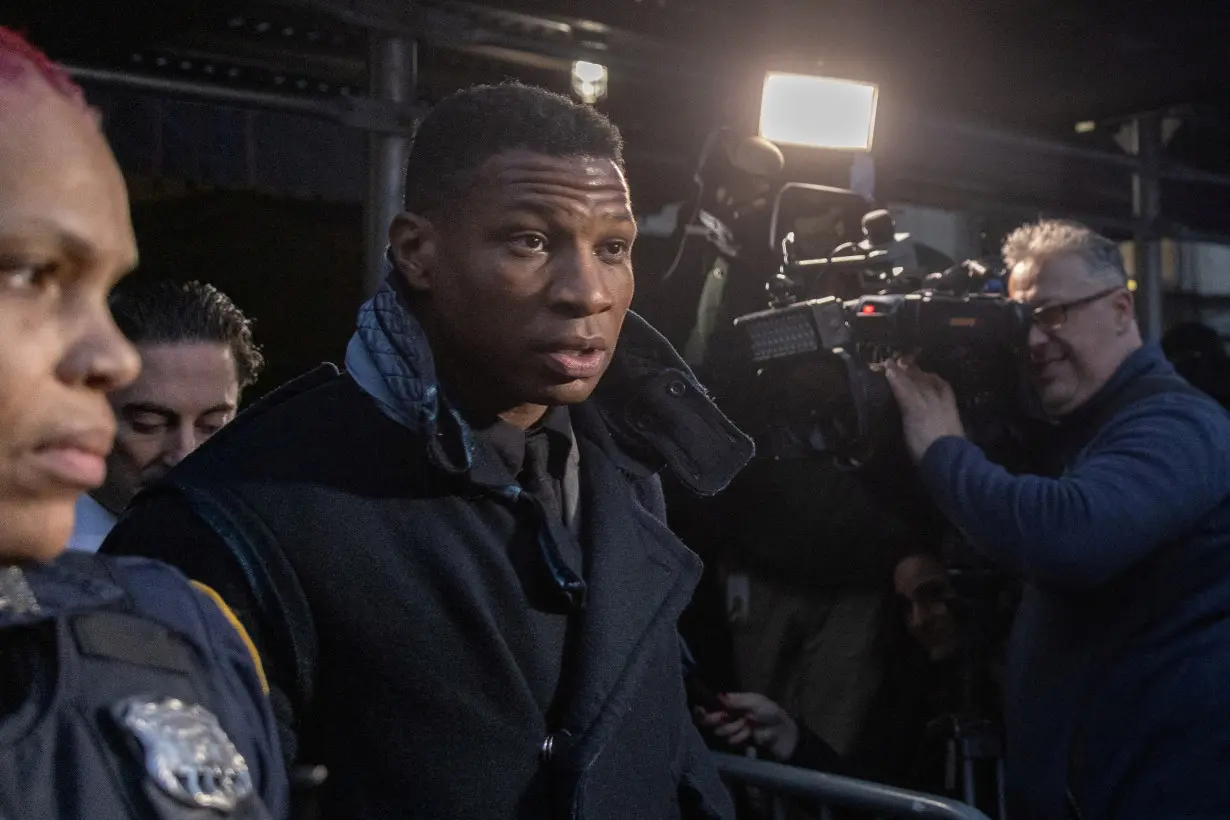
x,y
832,790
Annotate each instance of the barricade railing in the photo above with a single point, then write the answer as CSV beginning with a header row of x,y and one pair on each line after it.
x,y
832,790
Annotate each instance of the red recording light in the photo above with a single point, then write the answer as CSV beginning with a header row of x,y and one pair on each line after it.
x,y
868,308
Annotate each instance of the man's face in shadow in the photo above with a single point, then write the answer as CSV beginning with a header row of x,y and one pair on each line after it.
x,y
186,392
526,280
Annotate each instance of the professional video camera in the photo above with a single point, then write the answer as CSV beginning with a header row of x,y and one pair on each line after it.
x,y
815,365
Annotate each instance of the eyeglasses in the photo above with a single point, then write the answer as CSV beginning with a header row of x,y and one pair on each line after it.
x,y
1053,317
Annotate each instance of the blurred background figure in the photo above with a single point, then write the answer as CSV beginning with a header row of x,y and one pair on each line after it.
x,y
1199,355
197,356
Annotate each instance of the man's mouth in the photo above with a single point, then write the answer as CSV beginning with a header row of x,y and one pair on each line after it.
x,y
581,363
1041,365
576,357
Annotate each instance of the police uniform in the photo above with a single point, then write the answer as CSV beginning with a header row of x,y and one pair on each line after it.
x,y
126,692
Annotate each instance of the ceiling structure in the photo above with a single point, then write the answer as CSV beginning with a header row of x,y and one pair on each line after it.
x,y
1039,65
678,67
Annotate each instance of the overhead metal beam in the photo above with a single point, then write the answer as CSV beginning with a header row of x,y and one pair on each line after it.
x,y
1035,145
463,26
377,115
326,109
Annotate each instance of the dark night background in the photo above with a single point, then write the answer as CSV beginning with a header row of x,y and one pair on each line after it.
x,y
269,207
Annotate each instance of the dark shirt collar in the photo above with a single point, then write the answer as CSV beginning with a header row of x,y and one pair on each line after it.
x,y
507,442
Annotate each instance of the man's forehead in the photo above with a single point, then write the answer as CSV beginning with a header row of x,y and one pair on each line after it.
x,y
1047,277
183,378
526,173
186,360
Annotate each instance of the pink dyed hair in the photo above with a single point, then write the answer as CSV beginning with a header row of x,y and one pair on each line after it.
x,y
17,56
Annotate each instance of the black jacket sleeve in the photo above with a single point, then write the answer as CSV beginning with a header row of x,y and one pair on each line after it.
x,y
165,528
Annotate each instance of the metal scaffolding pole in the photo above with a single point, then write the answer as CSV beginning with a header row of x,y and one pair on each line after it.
x,y
325,109
1147,208
393,69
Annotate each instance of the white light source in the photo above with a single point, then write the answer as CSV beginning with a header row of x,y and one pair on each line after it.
x,y
819,112
589,81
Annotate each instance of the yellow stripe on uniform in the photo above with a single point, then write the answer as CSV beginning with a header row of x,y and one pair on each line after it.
x,y
243,633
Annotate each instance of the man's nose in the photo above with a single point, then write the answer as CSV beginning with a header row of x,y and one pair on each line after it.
x,y
181,442
581,284
1038,338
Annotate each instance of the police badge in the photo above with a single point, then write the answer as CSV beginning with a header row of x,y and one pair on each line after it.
x,y
187,753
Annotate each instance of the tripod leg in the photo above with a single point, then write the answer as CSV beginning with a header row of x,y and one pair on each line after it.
x,y
967,772
1001,789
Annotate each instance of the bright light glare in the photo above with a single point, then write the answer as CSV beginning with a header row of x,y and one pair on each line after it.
x,y
589,81
819,112
588,72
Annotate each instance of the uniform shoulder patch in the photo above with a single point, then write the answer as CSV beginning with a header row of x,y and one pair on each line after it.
x,y
238,625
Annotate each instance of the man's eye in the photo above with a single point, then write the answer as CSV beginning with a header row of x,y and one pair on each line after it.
x,y
146,426
1048,316
27,276
615,249
532,242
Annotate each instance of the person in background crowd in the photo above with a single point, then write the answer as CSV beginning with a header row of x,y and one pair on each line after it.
x,y
808,546
903,743
1199,354
453,556
127,692
925,595
1116,700
197,356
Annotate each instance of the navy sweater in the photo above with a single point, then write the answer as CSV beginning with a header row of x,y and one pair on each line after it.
x,y
1118,685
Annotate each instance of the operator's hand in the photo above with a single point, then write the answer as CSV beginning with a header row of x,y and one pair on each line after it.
x,y
928,406
749,716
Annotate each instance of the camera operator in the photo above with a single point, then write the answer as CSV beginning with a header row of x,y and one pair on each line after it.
x,y
1116,678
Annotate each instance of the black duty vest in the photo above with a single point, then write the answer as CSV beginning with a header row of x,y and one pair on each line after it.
x,y
107,713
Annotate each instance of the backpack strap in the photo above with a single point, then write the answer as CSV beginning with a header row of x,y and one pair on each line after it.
x,y
280,602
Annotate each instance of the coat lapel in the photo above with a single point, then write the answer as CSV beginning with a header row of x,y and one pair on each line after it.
x,y
639,576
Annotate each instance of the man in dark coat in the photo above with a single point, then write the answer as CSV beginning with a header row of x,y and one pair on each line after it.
x,y
452,556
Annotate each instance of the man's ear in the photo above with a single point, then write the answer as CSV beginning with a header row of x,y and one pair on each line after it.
x,y
1125,309
413,244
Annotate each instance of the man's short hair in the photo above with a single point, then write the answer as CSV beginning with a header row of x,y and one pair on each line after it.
x,y
466,129
1055,237
157,311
